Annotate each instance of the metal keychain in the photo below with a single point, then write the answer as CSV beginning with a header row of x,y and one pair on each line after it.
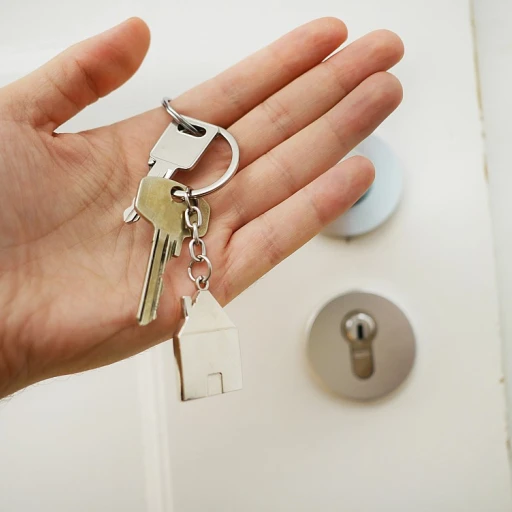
x,y
193,221
205,329
206,344
160,200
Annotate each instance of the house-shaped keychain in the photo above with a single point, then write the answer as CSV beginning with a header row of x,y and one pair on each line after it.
x,y
207,349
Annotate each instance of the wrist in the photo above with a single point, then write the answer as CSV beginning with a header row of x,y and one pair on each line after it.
x,y
10,371
12,360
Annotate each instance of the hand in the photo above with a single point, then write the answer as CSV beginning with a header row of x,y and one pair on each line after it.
x,y
71,271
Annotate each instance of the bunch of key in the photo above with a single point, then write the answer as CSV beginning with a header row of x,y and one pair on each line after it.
x,y
206,342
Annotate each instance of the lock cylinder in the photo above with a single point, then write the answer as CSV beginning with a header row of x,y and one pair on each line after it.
x,y
361,346
359,330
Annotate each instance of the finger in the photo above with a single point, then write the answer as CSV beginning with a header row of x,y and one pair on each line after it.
x,y
304,100
227,97
311,95
302,158
80,75
269,239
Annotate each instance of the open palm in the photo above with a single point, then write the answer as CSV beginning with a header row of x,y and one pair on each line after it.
x,y
71,271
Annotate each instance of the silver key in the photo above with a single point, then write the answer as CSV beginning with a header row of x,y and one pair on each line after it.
x,y
207,349
154,203
176,150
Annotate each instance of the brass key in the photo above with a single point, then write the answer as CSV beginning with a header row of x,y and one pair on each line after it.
x,y
154,202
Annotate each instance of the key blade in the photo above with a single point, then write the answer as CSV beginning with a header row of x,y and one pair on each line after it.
x,y
155,204
153,281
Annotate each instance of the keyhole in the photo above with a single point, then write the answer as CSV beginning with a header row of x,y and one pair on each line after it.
x,y
359,330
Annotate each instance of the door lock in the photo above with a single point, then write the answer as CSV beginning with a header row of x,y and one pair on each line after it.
x,y
361,346
359,330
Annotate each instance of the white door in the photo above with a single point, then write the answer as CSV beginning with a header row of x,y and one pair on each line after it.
x,y
118,438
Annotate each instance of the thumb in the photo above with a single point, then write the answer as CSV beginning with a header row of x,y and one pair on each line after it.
x,y
80,75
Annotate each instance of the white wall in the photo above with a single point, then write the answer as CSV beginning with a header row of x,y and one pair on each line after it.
x,y
493,23
440,442
74,445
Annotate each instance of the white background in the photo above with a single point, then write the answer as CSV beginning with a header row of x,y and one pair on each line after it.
x,y
117,439
494,50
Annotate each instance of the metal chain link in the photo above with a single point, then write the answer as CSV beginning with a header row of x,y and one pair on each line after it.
x,y
193,221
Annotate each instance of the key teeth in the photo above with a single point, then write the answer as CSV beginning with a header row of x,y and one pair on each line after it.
x,y
158,295
147,319
143,322
153,282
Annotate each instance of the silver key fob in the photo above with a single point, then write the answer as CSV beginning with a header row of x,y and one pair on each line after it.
x,y
177,149
207,349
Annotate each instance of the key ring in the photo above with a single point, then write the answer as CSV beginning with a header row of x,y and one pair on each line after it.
x,y
230,171
235,155
166,103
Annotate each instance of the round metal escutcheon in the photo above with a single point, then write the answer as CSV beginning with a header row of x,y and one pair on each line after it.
x,y
361,369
